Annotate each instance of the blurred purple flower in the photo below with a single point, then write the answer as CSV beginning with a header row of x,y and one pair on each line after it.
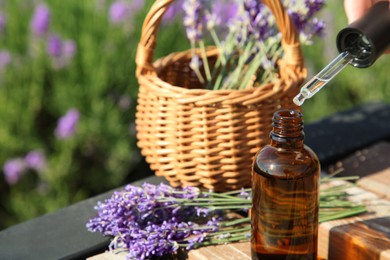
x,y
13,169
306,24
119,11
317,26
314,6
137,5
41,20
258,15
225,11
35,160
61,51
54,46
3,22
298,19
67,124
194,19
174,10
5,59
69,48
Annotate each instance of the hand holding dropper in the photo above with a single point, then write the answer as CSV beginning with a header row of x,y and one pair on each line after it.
x,y
360,44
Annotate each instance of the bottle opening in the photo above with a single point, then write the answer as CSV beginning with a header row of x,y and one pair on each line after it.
x,y
287,123
287,114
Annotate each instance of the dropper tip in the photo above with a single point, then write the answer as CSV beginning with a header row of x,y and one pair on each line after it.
x,y
299,99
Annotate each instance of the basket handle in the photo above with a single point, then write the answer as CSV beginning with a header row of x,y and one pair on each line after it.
x,y
144,57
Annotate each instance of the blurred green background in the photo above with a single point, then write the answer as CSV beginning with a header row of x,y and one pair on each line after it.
x,y
40,82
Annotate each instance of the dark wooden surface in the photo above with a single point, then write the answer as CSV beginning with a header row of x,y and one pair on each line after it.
x,y
62,234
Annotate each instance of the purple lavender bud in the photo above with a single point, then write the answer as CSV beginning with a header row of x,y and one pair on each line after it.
x,y
213,224
54,46
35,160
304,21
244,194
13,169
195,62
314,6
3,22
119,12
69,48
61,52
67,124
318,27
41,20
258,15
194,240
194,19
298,19
5,59
202,212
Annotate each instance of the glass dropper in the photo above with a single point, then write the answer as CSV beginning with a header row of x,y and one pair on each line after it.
x,y
323,77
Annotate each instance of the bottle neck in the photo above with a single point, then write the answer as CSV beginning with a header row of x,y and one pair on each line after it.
x,y
287,131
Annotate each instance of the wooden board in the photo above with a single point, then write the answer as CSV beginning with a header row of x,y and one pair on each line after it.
x,y
372,165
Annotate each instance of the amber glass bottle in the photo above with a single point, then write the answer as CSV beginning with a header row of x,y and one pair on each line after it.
x,y
285,182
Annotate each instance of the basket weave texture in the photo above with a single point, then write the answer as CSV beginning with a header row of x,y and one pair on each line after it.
x,y
207,138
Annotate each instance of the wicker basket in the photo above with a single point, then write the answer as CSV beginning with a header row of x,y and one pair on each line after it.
x,y
207,138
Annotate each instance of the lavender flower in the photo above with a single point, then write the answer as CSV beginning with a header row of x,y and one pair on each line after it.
x,y
5,59
195,63
67,124
151,220
13,169
317,27
194,19
304,19
3,22
135,5
41,20
60,51
119,11
258,16
225,11
54,46
174,10
35,160
69,49
314,6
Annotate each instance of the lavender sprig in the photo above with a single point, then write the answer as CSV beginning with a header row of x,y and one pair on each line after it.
x,y
40,21
194,21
